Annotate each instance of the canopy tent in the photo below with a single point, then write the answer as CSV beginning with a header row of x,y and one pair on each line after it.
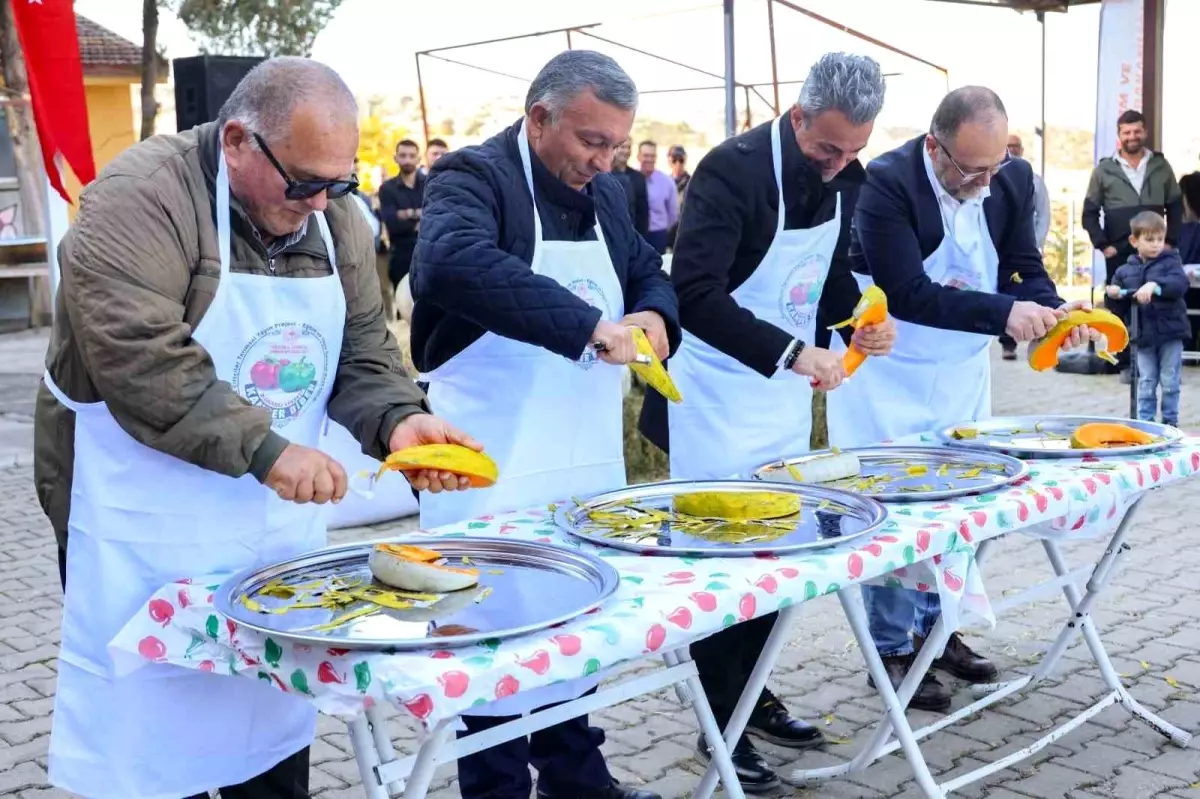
x,y
750,59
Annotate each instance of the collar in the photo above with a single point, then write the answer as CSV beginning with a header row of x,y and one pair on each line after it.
x,y
1119,157
552,190
944,197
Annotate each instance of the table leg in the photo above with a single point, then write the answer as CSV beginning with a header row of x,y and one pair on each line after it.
x,y
427,760
367,757
750,694
383,742
674,658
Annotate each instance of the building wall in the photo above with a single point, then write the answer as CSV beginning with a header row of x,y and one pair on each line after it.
x,y
111,124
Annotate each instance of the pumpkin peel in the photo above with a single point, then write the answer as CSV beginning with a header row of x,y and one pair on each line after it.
x,y
1044,355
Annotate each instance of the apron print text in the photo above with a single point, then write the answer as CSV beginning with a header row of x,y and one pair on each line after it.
x,y
590,292
282,369
802,290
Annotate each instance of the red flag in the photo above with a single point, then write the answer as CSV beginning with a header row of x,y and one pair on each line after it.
x,y
51,46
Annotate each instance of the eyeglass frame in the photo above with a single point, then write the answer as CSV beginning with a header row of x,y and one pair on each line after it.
x,y
969,176
306,189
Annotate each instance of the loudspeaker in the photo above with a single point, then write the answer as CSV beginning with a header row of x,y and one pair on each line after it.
x,y
203,83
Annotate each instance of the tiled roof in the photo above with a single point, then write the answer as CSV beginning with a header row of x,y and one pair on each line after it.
x,y
104,52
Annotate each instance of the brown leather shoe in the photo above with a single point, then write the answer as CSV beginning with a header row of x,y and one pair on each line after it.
x,y
930,695
961,661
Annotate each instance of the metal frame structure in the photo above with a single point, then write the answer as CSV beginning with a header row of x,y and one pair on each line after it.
x,y
729,81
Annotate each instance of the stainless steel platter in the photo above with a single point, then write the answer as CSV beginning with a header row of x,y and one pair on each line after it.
x,y
826,518
912,474
523,587
1034,437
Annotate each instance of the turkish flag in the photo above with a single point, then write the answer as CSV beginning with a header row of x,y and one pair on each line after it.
x,y
51,47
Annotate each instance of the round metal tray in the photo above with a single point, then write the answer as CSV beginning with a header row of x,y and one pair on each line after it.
x,y
827,518
523,587
1049,436
943,473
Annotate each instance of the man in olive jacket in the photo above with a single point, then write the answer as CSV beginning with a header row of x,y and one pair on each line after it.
x,y
219,299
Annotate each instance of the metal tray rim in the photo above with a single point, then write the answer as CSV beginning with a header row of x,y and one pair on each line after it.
x,y
1021,470
874,513
605,575
1173,436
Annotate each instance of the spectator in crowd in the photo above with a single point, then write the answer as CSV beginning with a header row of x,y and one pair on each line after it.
x,y
677,159
662,196
1154,277
1041,224
400,200
634,183
1189,233
1132,180
434,149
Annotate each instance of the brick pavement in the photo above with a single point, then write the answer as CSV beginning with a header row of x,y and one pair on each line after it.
x,y
1151,621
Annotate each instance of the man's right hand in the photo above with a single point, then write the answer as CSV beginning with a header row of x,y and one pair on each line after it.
x,y
304,475
823,367
616,343
1109,252
1028,320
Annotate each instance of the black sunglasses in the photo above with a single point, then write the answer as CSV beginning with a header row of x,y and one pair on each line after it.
x,y
307,189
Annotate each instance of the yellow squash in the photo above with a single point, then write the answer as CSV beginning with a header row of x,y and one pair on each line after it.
x,y
1045,355
870,310
454,458
737,505
653,373
1106,435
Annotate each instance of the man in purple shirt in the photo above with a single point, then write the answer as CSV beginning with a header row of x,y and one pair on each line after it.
x,y
662,195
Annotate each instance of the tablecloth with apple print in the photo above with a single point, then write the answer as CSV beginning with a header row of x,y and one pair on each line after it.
x,y
662,604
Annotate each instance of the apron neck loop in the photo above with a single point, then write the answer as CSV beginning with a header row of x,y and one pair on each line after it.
x,y
526,165
223,239
777,163
327,237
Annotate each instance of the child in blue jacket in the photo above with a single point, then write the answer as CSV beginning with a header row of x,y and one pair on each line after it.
x,y
1156,280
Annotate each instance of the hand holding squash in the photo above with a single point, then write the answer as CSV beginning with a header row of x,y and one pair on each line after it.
x,y
877,339
424,428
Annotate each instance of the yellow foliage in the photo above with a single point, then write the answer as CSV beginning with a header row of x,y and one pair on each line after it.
x,y
377,139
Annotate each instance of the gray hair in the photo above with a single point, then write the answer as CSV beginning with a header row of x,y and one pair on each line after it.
x,y
963,105
265,99
571,73
852,84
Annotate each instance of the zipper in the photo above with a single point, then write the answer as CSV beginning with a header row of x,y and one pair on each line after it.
x,y
271,265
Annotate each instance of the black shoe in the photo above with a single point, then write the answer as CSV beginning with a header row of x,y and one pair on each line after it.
x,y
752,771
771,722
930,695
1009,354
960,661
613,790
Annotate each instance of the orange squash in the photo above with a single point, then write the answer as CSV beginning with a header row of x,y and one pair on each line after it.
x,y
454,458
1106,435
870,310
1044,355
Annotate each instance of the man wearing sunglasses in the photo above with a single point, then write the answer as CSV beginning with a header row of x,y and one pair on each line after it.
x,y
944,225
218,303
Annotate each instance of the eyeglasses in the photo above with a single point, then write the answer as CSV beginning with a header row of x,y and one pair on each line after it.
x,y
991,170
307,189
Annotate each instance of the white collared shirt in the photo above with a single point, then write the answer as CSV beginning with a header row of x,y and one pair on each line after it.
x,y
1136,174
963,220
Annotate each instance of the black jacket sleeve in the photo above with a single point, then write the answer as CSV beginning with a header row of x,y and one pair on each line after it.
x,y
460,268
1022,272
1092,203
709,233
885,227
641,204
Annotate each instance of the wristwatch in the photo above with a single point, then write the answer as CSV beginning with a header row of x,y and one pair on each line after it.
x,y
790,359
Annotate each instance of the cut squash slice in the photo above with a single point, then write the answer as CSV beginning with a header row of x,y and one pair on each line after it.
x,y
1044,355
654,373
1106,435
412,568
870,310
737,505
454,458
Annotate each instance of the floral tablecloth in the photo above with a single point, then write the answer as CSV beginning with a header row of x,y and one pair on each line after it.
x,y
663,603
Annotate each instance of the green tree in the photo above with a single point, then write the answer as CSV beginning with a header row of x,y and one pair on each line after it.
x,y
255,27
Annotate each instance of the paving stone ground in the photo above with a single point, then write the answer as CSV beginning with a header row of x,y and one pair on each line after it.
x,y
1150,619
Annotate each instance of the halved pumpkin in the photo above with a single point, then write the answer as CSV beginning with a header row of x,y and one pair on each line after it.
x,y
412,568
1045,355
454,458
1106,435
737,505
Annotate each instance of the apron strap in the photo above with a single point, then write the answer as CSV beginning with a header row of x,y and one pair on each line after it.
x,y
777,163
59,394
523,148
223,237
327,237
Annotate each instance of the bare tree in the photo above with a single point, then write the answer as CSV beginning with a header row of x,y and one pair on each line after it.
x,y
149,66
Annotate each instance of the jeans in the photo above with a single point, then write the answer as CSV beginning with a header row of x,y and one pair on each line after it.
x,y
1159,366
892,613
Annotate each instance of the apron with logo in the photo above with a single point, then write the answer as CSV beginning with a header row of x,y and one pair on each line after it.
x,y
733,419
141,518
932,377
553,426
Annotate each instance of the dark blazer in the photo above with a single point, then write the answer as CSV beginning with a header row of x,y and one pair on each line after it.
x,y
898,224
634,183
471,269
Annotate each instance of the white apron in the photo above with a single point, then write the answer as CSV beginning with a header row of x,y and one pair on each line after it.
x,y
392,498
141,518
734,419
932,377
553,426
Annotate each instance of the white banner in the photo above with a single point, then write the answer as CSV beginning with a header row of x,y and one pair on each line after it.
x,y
1118,81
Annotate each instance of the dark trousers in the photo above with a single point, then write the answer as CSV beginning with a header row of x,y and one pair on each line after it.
x,y
1118,306
287,779
567,758
400,259
724,662
658,239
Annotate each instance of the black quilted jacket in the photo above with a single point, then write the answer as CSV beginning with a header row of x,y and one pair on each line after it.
x,y
471,269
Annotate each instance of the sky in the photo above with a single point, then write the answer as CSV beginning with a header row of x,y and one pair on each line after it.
x,y
372,43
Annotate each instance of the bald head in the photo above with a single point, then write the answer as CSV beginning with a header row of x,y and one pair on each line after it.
x,y
289,119
969,104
